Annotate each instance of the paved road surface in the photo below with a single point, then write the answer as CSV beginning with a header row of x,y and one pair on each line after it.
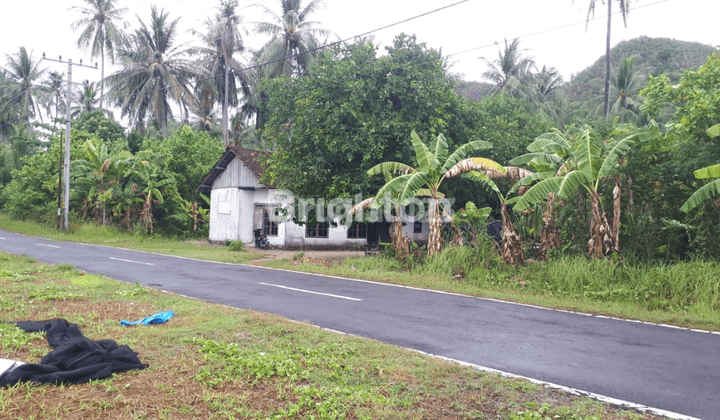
x,y
667,368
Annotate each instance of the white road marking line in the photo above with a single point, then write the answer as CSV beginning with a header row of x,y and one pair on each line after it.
x,y
310,291
626,405
400,286
130,261
2,238
49,246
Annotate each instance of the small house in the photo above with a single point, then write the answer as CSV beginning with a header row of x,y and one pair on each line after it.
x,y
240,203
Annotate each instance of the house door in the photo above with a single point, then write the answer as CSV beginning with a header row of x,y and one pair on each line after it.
x,y
258,216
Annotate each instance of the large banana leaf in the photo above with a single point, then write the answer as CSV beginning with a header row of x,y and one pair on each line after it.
x,y
401,187
554,139
483,177
362,206
439,148
706,192
708,172
424,157
462,152
571,182
714,131
474,164
534,159
531,179
613,157
587,153
390,167
538,193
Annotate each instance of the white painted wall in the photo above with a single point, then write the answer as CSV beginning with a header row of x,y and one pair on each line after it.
x,y
224,214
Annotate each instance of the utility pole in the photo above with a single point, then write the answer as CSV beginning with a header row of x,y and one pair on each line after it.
x,y
66,167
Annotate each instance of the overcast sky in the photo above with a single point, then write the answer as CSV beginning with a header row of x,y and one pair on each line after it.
x,y
553,31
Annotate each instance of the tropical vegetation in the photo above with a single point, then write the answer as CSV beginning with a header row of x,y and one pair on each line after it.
x,y
559,177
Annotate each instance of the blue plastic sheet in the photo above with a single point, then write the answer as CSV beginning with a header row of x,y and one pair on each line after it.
x,y
158,318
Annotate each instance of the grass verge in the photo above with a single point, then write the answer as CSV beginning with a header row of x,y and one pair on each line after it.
x,y
684,294
91,233
215,362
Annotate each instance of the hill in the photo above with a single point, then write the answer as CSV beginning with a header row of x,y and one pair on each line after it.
x,y
654,56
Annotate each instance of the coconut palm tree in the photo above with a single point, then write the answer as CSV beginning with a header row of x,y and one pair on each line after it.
x,y
100,32
434,165
624,8
293,35
624,84
154,72
25,74
510,69
222,40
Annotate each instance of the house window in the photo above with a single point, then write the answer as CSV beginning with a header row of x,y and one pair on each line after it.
x,y
316,230
357,230
270,228
417,227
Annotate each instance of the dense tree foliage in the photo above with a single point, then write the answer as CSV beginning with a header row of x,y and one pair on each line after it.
x,y
355,109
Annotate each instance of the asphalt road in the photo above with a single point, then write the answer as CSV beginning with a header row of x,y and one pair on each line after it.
x,y
669,368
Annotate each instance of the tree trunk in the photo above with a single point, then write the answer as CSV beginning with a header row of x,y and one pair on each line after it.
x,y
606,109
549,238
601,240
434,238
226,140
401,243
102,74
616,212
511,248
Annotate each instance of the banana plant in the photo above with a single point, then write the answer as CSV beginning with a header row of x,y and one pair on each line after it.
x,y
549,155
149,187
710,190
98,171
511,248
588,164
434,165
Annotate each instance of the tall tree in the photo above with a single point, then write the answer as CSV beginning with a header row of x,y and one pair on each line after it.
x,y
100,32
292,35
25,74
624,8
222,40
154,71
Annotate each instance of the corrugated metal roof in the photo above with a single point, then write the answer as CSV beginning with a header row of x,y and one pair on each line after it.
x,y
248,157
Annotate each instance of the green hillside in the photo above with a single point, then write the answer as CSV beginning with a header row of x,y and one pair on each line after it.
x,y
653,56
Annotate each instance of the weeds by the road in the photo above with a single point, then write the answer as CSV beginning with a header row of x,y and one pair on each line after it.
x,y
211,361
138,240
682,293
685,294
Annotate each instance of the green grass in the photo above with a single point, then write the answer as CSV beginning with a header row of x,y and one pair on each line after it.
x,y
211,361
110,236
684,294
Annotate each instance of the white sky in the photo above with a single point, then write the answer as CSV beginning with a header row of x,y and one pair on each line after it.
x,y
553,31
